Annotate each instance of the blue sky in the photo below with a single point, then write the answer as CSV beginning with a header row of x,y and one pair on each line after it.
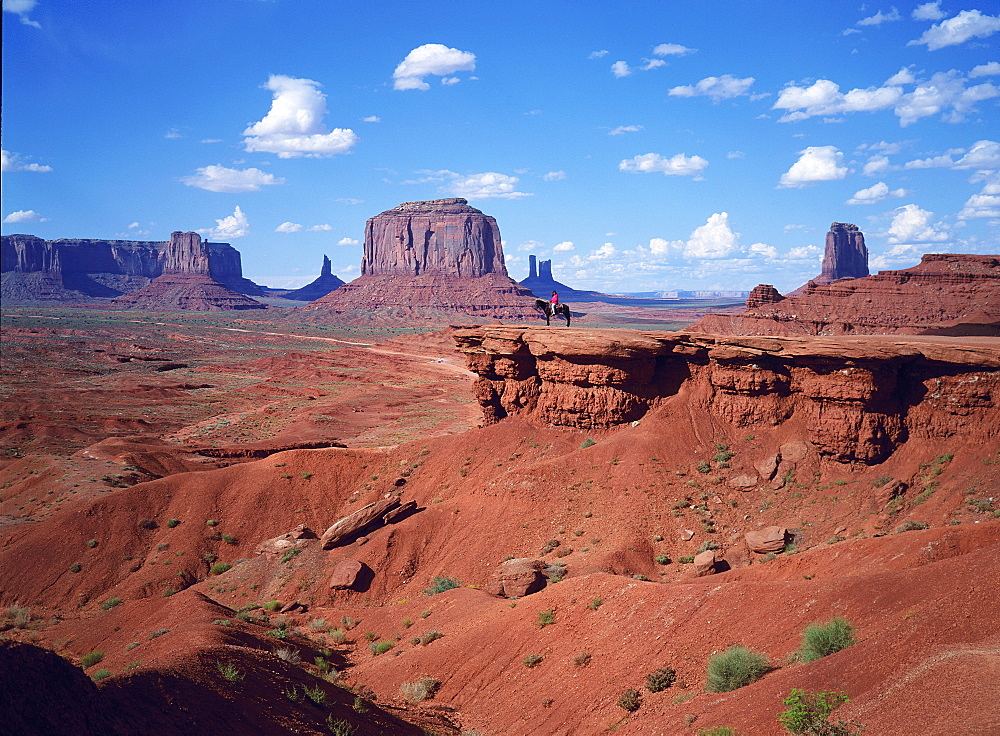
x,y
640,145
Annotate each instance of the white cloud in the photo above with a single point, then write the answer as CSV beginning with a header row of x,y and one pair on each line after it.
x,y
347,241
718,88
218,178
986,204
768,251
288,227
652,64
815,164
985,70
448,81
211,140
944,161
875,165
554,176
12,162
663,247
874,194
672,49
349,200
22,8
714,239
903,76
173,134
622,129
677,165
564,246
621,69
967,24
804,253
598,54
24,216
912,224
824,97
294,126
320,228
431,58
229,228
133,225
982,155
488,185
928,11
735,154
944,90
605,251
371,119
879,18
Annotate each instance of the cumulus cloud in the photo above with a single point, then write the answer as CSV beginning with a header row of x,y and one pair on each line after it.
x,y
24,216
13,162
874,194
945,93
815,164
824,97
554,176
288,227
672,49
218,178
371,119
967,24
986,204
321,228
982,155
677,165
564,246
649,64
487,185
903,76
621,69
928,11
768,251
347,241
879,18
294,126
804,253
21,8
622,129
985,70
875,165
714,239
718,88
911,224
431,59
229,228
605,251
598,54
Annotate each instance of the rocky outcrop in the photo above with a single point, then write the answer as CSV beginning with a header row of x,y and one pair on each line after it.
x,y
518,578
704,563
846,255
322,286
347,575
78,270
855,399
763,294
352,526
541,284
769,540
278,546
945,294
429,260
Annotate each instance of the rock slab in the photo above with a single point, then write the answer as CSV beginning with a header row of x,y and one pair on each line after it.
x,y
769,540
351,526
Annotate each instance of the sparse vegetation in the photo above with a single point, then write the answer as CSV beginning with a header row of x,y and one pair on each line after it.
x,y
315,694
705,546
147,524
734,668
287,654
432,635
587,443
75,567
546,618
820,640
381,647
809,713
581,659
910,525
91,543
157,632
19,616
703,467
423,689
290,555
340,727
630,700
716,731
100,675
91,658
211,522
272,606
229,671
219,567
661,679
441,583
532,660
110,603
171,523
229,539
661,560
686,559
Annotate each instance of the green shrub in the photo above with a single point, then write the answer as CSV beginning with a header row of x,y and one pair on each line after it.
x,y
211,522
630,700
808,713
110,603
290,554
423,689
171,523
219,567
706,546
595,604
75,567
881,480
703,467
157,632
819,640
19,616
91,543
441,583
432,635
734,668
381,647
229,539
316,695
661,679
587,443
280,634
100,675
91,658
661,560
686,559
340,727
910,525
272,606
532,660
222,622
546,618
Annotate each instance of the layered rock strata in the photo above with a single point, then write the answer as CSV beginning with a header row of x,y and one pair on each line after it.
x,y
431,259
845,256
855,400
944,294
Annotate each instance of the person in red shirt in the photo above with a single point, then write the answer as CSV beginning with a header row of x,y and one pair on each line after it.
x,y
554,302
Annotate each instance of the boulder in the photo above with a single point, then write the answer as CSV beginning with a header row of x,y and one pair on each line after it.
x,y
296,539
518,578
794,452
768,466
704,563
346,575
687,535
742,481
351,526
292,607
400,512
770,539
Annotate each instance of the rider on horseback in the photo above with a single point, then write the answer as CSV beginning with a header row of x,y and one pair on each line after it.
x,y
554,302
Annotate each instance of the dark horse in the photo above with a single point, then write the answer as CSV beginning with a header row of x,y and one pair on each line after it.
x,y
546,308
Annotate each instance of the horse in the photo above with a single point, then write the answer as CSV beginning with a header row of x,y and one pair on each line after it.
x,y
546,308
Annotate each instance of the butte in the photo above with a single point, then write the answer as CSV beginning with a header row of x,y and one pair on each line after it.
x,y
430,261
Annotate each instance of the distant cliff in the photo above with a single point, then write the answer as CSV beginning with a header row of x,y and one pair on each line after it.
x,y
79,270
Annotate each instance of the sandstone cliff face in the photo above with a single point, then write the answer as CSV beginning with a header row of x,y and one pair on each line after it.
x,y
846,255
856,400
944,292
80,269
444,236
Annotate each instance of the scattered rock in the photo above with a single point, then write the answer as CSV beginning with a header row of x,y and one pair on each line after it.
x,y
890,491
346,574
704,563
768,466
794,452
293,606
351,526
687,535
399,513
770,539
742,481
296,539
517,578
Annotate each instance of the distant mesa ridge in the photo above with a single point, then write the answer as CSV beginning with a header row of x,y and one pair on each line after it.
x,y
320,287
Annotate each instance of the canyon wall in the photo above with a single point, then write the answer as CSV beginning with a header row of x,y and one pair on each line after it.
x,y
854,400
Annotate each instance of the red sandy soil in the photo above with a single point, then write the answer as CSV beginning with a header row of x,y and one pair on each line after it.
x,y
102,444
